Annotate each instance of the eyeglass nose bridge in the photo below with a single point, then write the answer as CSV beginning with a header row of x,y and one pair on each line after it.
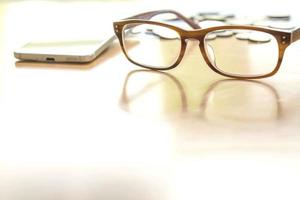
x,y
207,51
193,35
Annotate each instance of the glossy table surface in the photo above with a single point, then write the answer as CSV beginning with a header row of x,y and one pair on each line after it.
x,y
110,130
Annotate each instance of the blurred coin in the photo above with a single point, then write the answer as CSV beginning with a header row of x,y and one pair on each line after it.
x,y
222,15
225,34
279,16
259,37
282,25
242,21
197,18
164,33
242,36
215,17
201,16
219,31
179,23
237,31
137,29
211,23
262,23
210,36
229,15
208,13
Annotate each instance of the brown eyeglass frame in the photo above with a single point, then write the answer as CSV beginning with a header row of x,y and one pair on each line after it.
x,y
284,39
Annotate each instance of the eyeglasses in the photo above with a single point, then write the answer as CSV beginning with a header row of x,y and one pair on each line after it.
x,y
233,51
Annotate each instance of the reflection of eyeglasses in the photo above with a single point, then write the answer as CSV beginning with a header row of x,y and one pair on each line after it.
x,y
219,101
232,51
124,101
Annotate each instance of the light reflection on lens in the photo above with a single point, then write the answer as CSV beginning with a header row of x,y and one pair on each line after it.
x,y
151,45
242,52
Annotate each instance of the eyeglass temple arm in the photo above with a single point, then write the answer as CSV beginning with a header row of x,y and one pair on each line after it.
x,y
149,15
296,35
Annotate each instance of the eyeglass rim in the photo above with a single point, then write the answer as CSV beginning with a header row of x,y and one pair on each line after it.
x,y
283,38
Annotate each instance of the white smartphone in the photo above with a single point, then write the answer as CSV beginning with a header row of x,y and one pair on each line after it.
x,y
79,51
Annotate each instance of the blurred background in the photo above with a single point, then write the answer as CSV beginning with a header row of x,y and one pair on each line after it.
x,y
250,7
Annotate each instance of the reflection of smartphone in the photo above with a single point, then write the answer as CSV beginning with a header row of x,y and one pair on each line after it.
x,y
63,51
